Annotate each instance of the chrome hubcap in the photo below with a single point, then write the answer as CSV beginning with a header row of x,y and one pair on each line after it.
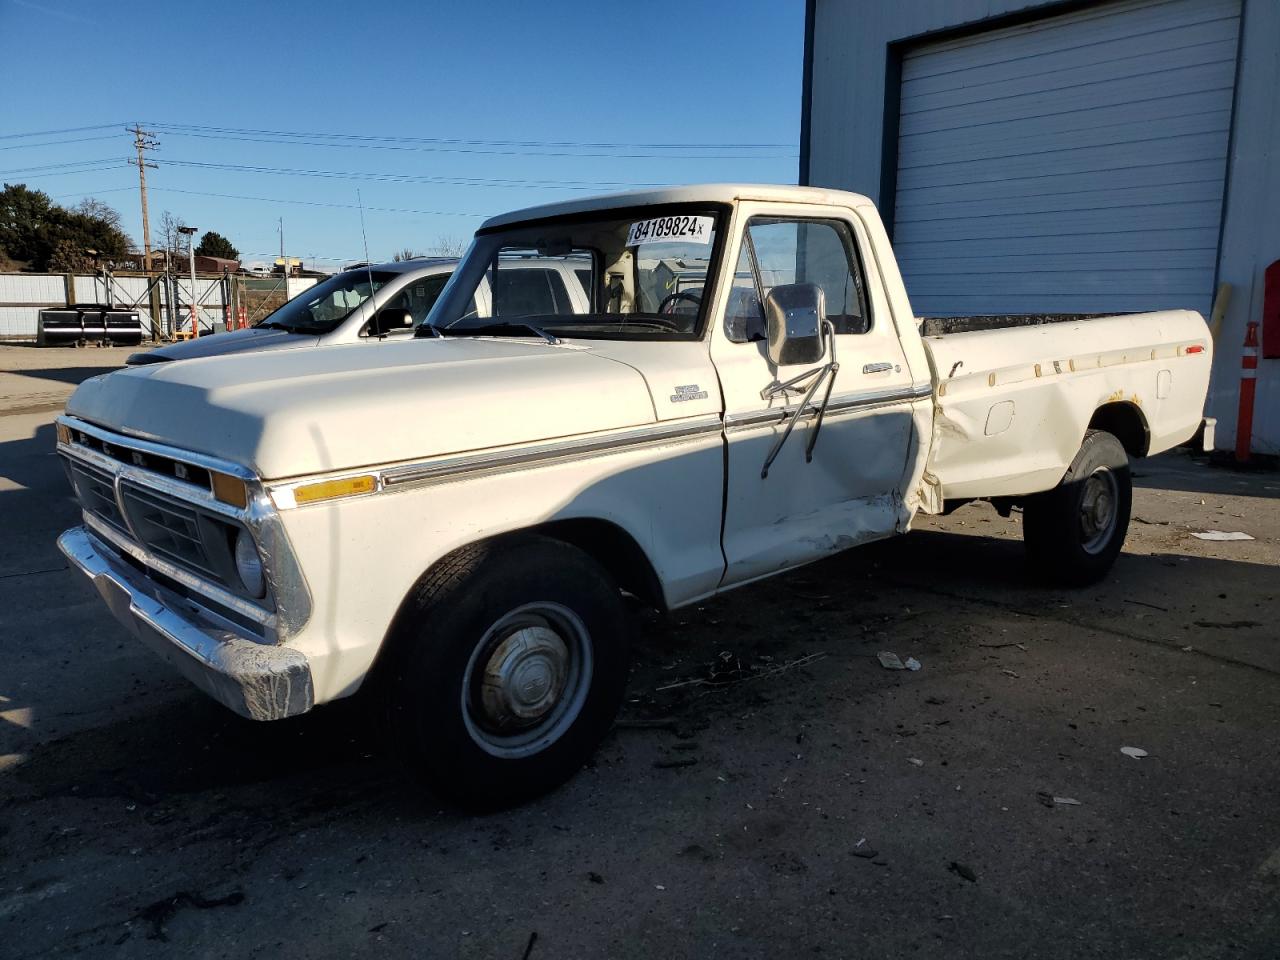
x,y
524,677
526,680
1098,510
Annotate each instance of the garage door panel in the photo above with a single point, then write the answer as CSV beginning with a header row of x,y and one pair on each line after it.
x,y
1086,150
1072,262
1065,83
1166,106
1065,162
1172,282
1123,22
1133,198
1032,143
1082,96
1083,223
1176,174
1058,245
1194,43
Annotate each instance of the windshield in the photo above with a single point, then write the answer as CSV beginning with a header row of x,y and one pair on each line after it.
x,y
627,275
321,308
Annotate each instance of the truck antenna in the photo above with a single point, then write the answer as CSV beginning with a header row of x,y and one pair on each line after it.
x,y
368,268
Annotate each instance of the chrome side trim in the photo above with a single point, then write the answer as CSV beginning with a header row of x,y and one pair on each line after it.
x,y
546,452
837,405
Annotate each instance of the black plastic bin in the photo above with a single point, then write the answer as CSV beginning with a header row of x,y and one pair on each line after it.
x,y
86,323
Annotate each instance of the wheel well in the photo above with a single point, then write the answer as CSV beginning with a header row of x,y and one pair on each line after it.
x,y
615,550
1125,422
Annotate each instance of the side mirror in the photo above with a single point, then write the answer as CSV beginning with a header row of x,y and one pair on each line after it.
x,y
795,314
389,320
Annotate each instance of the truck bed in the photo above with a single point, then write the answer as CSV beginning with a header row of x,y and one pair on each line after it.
x,y
1014,396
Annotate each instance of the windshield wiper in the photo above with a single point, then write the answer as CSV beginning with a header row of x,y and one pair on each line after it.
x,y
276,325
498,330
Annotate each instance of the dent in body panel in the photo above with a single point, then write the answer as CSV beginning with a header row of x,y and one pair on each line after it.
x,y
832,529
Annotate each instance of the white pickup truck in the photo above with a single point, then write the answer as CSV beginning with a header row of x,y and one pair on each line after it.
x,y
453,520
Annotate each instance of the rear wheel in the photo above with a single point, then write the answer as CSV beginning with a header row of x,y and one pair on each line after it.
x,y
508,668
1074,532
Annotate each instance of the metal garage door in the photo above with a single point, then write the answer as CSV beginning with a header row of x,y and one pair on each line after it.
x,y
1075,164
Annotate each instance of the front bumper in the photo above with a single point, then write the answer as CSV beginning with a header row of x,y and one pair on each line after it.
x,y
255,680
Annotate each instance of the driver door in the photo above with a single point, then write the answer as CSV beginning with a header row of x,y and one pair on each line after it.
x,y
850,492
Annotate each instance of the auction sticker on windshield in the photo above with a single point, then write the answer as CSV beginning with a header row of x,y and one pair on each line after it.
x,y
688,229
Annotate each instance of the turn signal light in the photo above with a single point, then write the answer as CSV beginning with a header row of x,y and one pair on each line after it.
x,y
229,489
64,432
332,489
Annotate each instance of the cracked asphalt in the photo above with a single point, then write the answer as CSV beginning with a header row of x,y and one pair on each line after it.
x,y
770,790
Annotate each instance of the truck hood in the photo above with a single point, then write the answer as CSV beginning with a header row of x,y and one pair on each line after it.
x,y
236,341
298,412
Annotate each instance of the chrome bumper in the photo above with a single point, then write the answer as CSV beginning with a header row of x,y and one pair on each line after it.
x,y
256,680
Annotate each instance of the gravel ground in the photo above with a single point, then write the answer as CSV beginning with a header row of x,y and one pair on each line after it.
x,y
794,798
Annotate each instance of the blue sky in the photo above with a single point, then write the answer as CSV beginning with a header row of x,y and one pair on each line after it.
x,y
672,93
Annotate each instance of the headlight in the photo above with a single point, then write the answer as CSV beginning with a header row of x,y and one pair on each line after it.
x,y
249,564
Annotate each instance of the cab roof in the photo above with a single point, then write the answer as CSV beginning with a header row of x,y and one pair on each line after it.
x,y
694,193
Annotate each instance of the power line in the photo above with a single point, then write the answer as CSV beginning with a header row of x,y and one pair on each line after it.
x,y
92,193
54,143
59,169
479,150
411,178
313,203
454,141
53,133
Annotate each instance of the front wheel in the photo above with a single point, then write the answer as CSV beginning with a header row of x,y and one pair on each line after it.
x,y
508,668
1074,532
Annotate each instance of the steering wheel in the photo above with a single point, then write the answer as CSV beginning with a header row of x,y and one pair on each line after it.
x,y
668,304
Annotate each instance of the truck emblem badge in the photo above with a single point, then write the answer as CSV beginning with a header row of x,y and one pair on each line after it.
x,y
690,391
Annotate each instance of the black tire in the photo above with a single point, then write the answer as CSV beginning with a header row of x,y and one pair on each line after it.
x,y
1066,541
442,708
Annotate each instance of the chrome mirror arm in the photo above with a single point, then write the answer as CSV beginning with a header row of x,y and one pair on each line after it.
x,y
826,372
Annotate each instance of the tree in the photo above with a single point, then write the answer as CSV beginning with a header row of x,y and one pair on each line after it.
x,y
46,236
448,245
214,244
406,254
25,216
172,239
95,208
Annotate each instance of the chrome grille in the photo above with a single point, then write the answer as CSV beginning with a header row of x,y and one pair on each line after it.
x,y
96,492
170,528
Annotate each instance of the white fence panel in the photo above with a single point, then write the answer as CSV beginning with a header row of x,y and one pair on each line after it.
x,y
18,321
32,288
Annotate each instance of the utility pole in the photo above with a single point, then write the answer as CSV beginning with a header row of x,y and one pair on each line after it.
x,y
191,259
284,264
142,141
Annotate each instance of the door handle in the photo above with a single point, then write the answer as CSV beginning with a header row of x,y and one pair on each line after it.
x,y
877,367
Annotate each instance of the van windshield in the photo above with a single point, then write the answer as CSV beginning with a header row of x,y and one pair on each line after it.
x,y
320,309
617,275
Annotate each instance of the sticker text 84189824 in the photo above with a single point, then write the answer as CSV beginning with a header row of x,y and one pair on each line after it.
x,y
680,228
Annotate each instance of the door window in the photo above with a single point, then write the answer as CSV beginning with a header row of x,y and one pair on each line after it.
x,y
420,296
777,251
